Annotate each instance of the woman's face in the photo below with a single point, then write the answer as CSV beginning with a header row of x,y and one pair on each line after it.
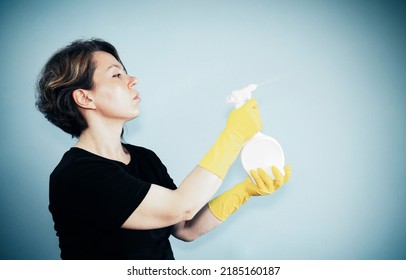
x,y
113,93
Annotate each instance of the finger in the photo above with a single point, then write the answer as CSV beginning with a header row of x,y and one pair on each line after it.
x,y
266,179
287,173
252,103
278,177
257,179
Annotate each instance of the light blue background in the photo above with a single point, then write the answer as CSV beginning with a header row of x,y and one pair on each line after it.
x,y
338,109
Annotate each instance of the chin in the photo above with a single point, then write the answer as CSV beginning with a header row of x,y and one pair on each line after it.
x,y
136,114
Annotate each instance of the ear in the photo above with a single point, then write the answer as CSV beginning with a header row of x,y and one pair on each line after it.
x,y
82,99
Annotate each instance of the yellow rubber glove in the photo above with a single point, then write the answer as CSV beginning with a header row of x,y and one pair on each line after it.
x,y
229,201
242,124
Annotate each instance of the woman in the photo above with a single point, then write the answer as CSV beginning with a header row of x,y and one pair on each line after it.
x,y
111,200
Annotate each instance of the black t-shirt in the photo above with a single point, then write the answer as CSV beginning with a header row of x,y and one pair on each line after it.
x,y
92,196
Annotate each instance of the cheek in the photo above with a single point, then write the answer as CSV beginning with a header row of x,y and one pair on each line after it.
x,y
115,103
109,95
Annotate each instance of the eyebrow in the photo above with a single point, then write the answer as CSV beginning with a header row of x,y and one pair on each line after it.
x,y
115,66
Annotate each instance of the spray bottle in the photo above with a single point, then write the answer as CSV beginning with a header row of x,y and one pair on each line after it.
x,y
261,151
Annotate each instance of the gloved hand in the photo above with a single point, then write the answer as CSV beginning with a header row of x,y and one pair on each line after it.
x,y
242,124
229,201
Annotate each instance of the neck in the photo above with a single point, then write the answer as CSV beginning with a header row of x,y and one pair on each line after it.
x,y
103,142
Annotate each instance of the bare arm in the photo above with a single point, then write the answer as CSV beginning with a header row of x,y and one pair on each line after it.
x,y
163,207
203,222
229,201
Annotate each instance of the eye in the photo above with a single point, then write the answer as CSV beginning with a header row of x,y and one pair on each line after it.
x,y
117,75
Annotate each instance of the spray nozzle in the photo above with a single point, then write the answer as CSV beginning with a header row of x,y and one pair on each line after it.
x,y
240,96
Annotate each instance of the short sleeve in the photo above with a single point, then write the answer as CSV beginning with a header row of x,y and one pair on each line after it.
x,y
150,167
100,194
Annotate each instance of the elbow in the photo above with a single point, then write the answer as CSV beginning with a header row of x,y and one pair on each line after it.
x,y
185,236
184,232
184,229
188,214
188,238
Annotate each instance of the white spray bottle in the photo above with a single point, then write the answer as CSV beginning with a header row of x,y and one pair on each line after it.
x,y
261,151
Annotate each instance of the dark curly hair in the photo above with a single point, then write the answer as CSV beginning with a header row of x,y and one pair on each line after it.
x,y
68,69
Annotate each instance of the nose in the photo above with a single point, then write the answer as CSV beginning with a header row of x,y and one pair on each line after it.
x,y
132,82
